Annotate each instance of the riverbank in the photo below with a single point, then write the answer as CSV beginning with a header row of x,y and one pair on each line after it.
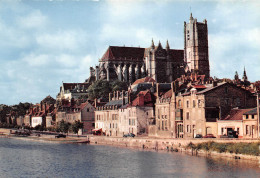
x,y
43,137
146,143
173,145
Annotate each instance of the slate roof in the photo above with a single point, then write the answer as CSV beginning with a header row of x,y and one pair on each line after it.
x,y
236,114
123,53
251,112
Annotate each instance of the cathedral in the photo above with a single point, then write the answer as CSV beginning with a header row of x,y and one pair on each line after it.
x,y
163,64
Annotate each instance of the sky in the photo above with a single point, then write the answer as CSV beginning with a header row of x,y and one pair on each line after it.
x,y
46,42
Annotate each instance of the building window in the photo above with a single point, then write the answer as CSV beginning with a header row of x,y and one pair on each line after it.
x,y
246,116
187,115
87,109
188,128
253,116
199,103
179,103
162,126
129,121
194,103
247,129
188,104
222,131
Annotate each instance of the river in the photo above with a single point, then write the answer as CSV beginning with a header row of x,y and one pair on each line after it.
x,y
26,158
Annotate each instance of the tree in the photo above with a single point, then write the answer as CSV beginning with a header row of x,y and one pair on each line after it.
x,y
103,88
99,88
118,85
76,126
63,126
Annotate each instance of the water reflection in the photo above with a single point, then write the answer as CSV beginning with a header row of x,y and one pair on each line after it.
x,y
33,159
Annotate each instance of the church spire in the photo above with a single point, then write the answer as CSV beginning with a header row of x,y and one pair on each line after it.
x,y
191,18
160,44
244,76
236,76
167,46
152,45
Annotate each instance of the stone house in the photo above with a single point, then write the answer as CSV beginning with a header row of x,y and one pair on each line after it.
x,y
250,123
72,90
37,114
107,116
195,109
119,116
232,122
71,112
134,118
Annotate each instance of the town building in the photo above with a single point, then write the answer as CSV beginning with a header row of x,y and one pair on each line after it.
x,y
77,111
183,113
72,90
250,124
38,113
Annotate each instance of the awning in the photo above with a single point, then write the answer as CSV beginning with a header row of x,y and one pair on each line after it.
x,y
99,129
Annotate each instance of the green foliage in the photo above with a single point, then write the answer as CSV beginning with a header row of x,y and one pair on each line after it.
x,y
76,126
63,126
99,88
118,85
238,148
103,88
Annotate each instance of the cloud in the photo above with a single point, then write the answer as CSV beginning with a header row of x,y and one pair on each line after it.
x,y
62,40
33,20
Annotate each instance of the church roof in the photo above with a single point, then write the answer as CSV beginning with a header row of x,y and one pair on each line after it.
x,y
144,80
123,53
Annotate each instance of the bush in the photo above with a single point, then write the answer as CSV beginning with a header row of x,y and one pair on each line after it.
x,y
238,148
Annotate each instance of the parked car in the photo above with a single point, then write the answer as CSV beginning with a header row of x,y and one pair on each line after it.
x,y
198,136
60,136
232,134
209,136
129,135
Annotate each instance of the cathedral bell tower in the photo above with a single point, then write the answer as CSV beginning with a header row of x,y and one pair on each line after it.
x,y
196,53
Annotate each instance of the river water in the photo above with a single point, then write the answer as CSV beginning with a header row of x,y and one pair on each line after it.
x,y
26,158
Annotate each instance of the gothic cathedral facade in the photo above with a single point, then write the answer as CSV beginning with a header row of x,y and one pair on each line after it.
x,y
164,65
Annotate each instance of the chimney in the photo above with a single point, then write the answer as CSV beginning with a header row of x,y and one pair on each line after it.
x,y
95,102
129,96
114,95
157,89
41,109
172,87
110,95
215,83
117,95
123,97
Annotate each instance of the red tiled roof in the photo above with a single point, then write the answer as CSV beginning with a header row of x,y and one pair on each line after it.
x,y
144,80
121,53
199,86
168,94
146,99
236,114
